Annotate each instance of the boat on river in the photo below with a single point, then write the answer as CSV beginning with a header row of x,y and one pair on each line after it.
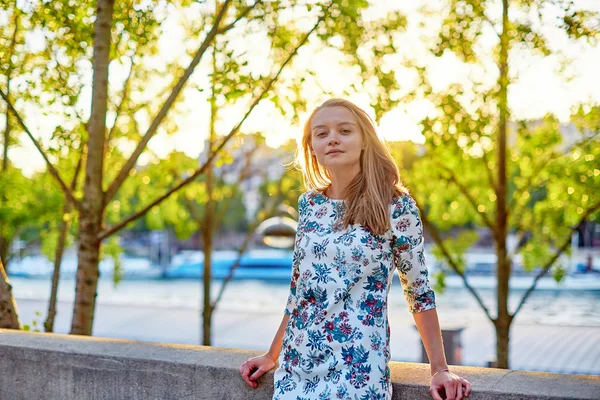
x,y
274,265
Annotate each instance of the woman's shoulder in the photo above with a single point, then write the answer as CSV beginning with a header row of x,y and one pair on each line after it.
x,y
401,197
402,202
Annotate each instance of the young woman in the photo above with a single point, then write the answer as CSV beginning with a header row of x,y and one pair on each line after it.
x,y
357,223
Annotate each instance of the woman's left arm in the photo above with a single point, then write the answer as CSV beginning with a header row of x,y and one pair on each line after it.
x,y
429,328
409,257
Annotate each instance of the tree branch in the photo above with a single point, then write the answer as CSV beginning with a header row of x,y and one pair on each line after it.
x,y
558,253
236,264
470,198
438,240
124,172
512,252
244,173
194,212
111,133
249,236
489,173
215,153
9,72
67,191
242,15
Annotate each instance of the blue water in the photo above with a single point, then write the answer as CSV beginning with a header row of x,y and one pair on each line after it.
x,y
580,308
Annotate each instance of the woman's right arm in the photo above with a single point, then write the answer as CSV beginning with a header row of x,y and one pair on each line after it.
x,y
257,366
275,348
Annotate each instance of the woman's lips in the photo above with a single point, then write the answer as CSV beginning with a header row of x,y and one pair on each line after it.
x,y
334,152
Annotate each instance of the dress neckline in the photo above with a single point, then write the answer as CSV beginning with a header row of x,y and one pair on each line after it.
x,y
326,197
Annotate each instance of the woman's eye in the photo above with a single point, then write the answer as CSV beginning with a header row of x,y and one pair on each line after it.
x,y
321,134
346,131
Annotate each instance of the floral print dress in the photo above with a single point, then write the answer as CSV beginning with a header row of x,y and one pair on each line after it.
x,y
337,342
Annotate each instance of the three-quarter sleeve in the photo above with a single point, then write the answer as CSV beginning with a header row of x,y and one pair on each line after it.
x,y
296,259
409,254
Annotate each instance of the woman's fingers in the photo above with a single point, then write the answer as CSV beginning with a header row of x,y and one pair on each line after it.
x,y
459,389
245,371
435,394
257,373
450,390
467,385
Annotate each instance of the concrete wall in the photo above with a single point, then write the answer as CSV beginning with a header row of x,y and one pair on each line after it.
x,y
60,367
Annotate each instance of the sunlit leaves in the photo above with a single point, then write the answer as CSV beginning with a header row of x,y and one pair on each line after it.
x,y
366,45
457,246
462,27
581,23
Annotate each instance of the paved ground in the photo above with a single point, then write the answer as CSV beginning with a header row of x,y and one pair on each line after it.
x,y
536,347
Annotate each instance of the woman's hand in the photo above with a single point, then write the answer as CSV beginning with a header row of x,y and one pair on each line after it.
x,y
456,388
255,367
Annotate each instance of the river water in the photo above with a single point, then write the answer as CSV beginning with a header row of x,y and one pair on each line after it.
x,y
568,308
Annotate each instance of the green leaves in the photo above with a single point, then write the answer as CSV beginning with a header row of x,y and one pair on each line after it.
x,y
111,248
35,325
551,182
462,27
581,24
456,246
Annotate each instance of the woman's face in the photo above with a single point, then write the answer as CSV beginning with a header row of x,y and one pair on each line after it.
x,y
336,138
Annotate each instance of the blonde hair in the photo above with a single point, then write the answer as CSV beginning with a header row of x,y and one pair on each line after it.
x,y
370,193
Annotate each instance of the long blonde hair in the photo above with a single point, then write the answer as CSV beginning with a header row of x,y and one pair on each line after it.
x,y
370,193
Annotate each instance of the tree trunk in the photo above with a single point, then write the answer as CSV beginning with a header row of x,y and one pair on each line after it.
x,y
502,325
3,249
92,203
503,267
60,246
207,228
4,241
9,317
207,238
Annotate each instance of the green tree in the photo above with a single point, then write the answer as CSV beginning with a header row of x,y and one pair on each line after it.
x,y
16,62
482,169
119,32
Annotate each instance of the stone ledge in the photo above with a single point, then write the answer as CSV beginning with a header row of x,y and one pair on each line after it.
x,y
66,367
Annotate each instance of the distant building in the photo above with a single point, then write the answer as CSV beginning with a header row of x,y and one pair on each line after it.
x,y
266,164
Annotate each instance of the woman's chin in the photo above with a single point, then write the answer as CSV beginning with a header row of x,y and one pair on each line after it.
x,y
342,165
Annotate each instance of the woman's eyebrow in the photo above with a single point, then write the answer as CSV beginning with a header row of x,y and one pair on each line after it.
x,y
339,123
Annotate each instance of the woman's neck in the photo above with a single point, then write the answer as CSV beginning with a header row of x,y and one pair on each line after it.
x,y
339,182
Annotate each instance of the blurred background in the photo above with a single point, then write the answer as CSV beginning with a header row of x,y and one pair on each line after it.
x,y
147,189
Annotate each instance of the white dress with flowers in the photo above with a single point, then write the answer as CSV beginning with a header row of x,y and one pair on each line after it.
x,y
336,344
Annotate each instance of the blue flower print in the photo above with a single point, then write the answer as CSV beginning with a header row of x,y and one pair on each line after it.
x,y
311,384
319,249
316,340
325,394
322,273
372,242
373,394
346,239
378,281
333,374
339,329
342,392
286,384
371,311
